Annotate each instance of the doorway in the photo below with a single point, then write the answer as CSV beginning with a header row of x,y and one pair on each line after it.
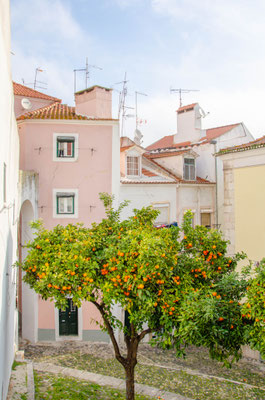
x,y
68,320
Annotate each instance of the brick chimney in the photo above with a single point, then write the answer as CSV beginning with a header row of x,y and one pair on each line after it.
x,y
95,101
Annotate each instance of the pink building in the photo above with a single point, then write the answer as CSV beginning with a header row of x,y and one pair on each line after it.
x,y
72,154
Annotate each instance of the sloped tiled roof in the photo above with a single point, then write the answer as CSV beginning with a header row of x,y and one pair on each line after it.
x,y
21,90
175,177
214,133
57,111
254,144
166,154
124,148
167,142
146,172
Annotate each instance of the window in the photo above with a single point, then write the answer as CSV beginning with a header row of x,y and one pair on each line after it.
x,y
65,147
133,165
206,219
65,203
189,169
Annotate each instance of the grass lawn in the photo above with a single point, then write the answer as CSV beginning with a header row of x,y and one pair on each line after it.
x,y
178,381
51,387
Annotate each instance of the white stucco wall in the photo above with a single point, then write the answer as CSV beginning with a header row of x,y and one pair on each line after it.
x,y
9,153
197,198
28,193
142,195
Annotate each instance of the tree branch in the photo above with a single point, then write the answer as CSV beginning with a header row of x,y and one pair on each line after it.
x,y
143,333
118,355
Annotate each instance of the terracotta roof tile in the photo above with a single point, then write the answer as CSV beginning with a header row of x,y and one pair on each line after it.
x,y
254,144
186,108
57,111
148,173
166,154
148,182
126,148
166,141
219,131
21,90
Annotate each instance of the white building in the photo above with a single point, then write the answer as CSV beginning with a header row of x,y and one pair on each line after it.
x,y
9,154
148,179
189,155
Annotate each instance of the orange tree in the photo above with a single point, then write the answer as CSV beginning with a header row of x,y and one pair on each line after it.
x,y
178,283
253,312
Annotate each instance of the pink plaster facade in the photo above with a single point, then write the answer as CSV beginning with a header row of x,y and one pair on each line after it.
x,y
46,317
90,174
35,103
94,169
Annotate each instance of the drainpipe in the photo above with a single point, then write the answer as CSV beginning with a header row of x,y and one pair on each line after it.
x,y
216,192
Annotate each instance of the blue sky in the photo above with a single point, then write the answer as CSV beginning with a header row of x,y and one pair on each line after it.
x,y
214,46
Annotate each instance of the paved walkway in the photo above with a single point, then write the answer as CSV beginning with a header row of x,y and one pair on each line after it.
x,y
104,380
22,381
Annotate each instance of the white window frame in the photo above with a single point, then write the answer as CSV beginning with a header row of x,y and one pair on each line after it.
x,y
189,158
56,193
65,135
139,165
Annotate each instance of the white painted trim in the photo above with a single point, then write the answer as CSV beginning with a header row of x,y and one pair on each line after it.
x,y
139,165
54,203
62,159
59,338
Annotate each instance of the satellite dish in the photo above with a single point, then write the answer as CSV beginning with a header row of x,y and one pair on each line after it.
x,y
26,104
202,113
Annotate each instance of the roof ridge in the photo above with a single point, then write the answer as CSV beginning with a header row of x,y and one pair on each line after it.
x,y
34,91
223,126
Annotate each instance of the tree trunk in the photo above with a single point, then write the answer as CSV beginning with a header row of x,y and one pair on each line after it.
x,y
130,382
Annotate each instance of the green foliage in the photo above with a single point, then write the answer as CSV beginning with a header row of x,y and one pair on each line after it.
x,y
179,282
254,309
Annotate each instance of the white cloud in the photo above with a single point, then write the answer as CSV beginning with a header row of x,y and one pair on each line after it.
x,y
240,18
50,17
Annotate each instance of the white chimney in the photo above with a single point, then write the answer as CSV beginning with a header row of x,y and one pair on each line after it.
x,y
188,124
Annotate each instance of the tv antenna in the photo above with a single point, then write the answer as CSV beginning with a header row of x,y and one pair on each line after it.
x,y
87,73
37,83
122,113
181,91
136,109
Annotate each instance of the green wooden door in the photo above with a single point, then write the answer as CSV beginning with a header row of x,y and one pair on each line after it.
x,y
68,320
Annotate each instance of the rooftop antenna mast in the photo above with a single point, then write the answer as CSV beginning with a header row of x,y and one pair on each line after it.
x,y
36,82
122,107
87,73
181,91
136,109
